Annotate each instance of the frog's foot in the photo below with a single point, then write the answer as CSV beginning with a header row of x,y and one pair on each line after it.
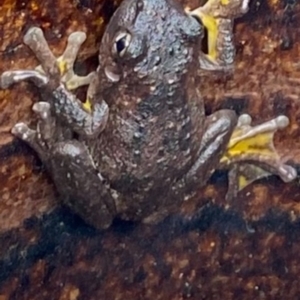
x,y
217,16
56,79
52,71
241,175
252,152
40,139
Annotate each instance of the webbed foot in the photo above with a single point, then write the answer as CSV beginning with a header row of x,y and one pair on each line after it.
x,y
52,71
56,79
251,153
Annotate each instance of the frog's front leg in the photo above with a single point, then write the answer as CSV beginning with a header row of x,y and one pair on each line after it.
x,y
218,18
218,130
77,181
56,79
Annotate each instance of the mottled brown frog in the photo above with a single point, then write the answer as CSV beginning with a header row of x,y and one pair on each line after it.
x,y
141,142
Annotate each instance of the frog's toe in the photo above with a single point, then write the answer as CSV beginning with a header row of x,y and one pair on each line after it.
x,y
42,109
23,132
43,137
35,40
244,120
33,36
245,6
287,173
10,77
281,122
47,128
32,138
75,40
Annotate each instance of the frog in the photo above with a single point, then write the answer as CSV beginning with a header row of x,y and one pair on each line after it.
x,y
141,143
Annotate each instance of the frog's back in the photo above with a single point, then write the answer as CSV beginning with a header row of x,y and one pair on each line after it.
x,y
149,57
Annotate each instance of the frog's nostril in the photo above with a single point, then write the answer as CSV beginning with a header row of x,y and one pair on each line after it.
x,y
111,75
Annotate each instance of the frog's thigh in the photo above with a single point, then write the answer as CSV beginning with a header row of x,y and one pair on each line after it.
x,y
218,130
80,185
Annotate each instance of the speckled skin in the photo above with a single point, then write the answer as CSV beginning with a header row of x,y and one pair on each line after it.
x,y
221,15
144,143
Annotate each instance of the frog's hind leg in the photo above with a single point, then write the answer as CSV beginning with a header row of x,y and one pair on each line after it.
x,y
75,176
218,130
80,185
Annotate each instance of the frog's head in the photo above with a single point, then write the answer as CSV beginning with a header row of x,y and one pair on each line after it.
x,y
148,42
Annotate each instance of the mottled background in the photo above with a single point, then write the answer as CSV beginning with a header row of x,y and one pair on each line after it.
x,y
247,249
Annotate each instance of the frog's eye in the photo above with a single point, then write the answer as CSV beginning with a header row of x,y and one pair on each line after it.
x,y
121,44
